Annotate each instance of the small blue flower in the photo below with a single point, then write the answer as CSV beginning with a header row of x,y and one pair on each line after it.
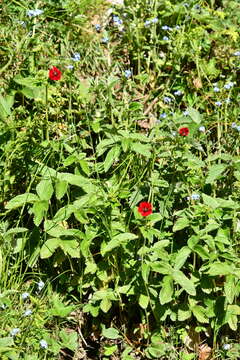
x,y
155,20
238,128
70,67
147,23
174,133
32,13
105,40
14,331
186,113
27,312
25,295
237,53
76,57
40,285
202,128
165,38
234,125
43,344
227,101
229,85
163,115
165,27
167,100
178,93
194,197
226,346
216,89
116,20
128,73
97,27
177,27
218,103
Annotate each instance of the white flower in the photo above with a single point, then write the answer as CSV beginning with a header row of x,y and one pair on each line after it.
x,y
32,13
14,331
27,312
43,344
226,346
40,285
25,295
202,128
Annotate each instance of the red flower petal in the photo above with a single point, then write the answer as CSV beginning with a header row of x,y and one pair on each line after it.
x,y
145,208
184,131
54,73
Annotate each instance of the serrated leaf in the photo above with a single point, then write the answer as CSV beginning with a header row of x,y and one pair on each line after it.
x,y
215,171
180,224
200,313
21,200
61,188
143,301
230,288
210,201
105,305
181,257
184,312
112,155
185,283
194,115
116,241
220,268
166,292
142,149
39,210
111,333
49,248
45,189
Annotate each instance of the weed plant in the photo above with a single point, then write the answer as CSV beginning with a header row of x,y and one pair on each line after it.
x,y
120,179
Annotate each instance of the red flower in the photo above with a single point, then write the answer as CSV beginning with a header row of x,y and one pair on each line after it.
x,y
55,73
145,208
184,131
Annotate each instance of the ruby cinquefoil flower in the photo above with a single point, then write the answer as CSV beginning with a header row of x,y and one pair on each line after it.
x,y
55,73
184,131
145,208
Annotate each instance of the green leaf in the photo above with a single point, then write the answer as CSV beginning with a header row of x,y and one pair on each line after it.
x,y
215,172
110,349
49,248
220,268
70,247
210,201
161,267
39,210
181,257
105,305
64,213
143,301
110,333
184,312
185,283
200,313
16,230
194,115
45,189
180,224
116,241
61,188
230,288
59,308
29,82
142,149
6,344
112,155
5,108
166,292
202,252
21,200
69,340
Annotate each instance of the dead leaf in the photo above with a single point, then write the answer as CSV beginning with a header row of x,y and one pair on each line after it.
x,y
197,83
204,352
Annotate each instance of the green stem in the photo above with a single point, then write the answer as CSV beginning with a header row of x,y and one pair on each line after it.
x,y
46,118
